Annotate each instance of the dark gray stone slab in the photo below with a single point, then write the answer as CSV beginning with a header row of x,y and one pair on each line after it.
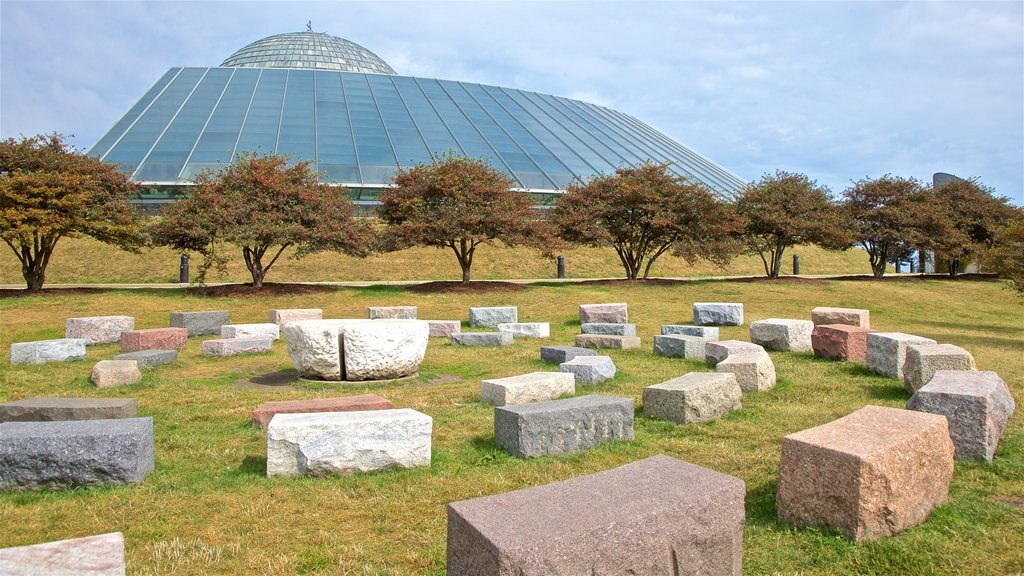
x,y
706,332
562,426
52,409
608,328
482,339
655,517
201,323
149,358
717,313
560,354
73,453
679,346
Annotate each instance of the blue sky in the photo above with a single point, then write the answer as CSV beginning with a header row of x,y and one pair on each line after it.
x,y
836,90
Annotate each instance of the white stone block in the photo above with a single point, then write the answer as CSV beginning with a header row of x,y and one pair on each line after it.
x,y
850,316
782,334
263,330
391,312
101,555
715,352
384,349
532,387
43,351
717,313
235,346
526,329
315,347
285,315
490,317
753,370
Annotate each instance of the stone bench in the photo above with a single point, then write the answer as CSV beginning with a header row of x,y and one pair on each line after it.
x,y
98,329
391,312
282,316
849,316
113,373
603,341
782,334
482,339
262,330
53,409
873,473
679,346
717,314
532,387
976,404
560,354
75,453
345,442
43,351
754,371
615,313
154,338
201,323
101,555
693,397
589,369
840,342
656,516
444,328
235,346
715,352
263,413
490,317
384,349
705,332
562,426
526,329
887,352
923,360
149,358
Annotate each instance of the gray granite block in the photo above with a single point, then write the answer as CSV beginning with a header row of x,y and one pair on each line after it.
x,y
617,313
608,329
717,313
604,341
101,555
562,426
560,354
887,351
590,369
75,453
234,346
50,409
482,338
655,517
706,332
98,329
391,312
201,323
693,397
149,358
923,360
679,346
43,351
715,352
782,334
490,317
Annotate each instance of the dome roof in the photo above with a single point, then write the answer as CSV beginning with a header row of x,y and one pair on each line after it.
x,y
308,50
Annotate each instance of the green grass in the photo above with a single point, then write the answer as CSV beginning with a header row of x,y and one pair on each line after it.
x,y
209,508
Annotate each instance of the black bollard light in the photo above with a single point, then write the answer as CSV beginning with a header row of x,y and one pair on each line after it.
x,y
561,266
183,270
796,265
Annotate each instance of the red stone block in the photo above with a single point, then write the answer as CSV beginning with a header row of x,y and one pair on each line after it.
x,y
840,342
154,339
264,412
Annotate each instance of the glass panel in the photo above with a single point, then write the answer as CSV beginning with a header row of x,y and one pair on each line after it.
x,y
373,148
213,149
104,144
336,153
297,137
259,133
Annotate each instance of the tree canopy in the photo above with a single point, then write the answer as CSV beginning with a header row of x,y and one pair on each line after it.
x,y
457,202
262,205
49,191
643,212
785,209
883,214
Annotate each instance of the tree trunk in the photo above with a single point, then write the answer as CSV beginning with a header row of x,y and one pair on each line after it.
x,y
628,259
464,253
954,266
34,277
34,258
777,261
253,261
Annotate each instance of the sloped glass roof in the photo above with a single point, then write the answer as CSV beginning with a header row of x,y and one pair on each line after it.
x,y
309,50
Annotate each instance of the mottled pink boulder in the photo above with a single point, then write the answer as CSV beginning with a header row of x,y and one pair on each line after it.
x,y
840,342
850,316
154,338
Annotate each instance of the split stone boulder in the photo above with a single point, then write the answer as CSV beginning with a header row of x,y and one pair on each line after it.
x,y
526,329
391,312
887,352
482,339
532,387
923,360
55,409
850,316
314,347
444,328
608,329
603,341
717,314
679,346
384,349
616,313
589,369
873,473
113,373
323,443
840,342
782,334
262,330
101,555
560,354
693,397
154,339
977,405
562,426
490,317
715,352
98,329
654,517
235,346
149,358
706,332
282,316
43,351
754,371
201,323
265,412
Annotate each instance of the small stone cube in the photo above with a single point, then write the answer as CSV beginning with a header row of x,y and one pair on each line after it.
x,y
53,409
923,360
694,397
887,352
149,358
101,555
717,314
589,369
849,316
112,373
265,412
754,371
617,313
43,351
679,346
482,339
562,426
782,334
840,342
715,352
235,346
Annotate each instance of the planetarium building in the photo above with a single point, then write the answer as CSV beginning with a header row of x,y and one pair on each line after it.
x,y
315,97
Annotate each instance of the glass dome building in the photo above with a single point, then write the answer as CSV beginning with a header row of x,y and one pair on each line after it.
x,y
312,96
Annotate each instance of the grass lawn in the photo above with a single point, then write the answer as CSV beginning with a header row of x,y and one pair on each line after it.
x,y
209,508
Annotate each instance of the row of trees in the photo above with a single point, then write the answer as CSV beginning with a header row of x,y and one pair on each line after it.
x,y
264,206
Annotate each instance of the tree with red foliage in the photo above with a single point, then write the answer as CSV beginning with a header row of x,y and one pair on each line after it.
x,y
883,214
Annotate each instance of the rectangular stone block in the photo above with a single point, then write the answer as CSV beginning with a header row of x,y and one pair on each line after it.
x,y
391,312
201,323
560,354
526,329
444,328
887,351
715,352
98,329
589,369
261,330
754,371
282,316
873,473
154,339
562,426
717,313
263,413
482,339
849,316
532,387
608,329
345,442
679,346
601,341
617,313
149,358
655,517
75,453
923,360
43,351
234,346
490,317
113,373
840,342
706,332
51,409
693,397
782,334
101,555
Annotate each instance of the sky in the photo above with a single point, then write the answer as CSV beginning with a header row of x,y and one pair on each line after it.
x,y
839,91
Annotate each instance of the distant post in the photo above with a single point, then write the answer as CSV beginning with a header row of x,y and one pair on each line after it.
x,y
183,270
796,265
561,266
